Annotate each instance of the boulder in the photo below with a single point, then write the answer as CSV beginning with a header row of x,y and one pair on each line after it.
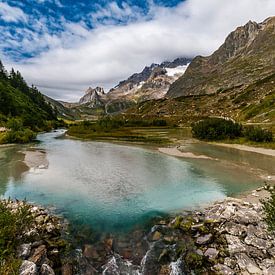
x,y
234,244
39,255
234,228
24,251
46,270
247,264
211,253
204,239
28,268
223,269
257,242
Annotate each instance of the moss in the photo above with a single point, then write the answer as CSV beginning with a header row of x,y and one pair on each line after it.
x,y
194,260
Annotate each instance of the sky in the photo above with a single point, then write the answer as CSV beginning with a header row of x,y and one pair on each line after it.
x,y
65,46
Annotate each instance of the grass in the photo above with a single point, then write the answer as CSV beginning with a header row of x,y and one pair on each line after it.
x,y
143,135
12,225
120,129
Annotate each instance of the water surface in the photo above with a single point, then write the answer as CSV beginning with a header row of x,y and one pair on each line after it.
x,y
111,187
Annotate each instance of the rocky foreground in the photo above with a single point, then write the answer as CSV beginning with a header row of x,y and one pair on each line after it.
x,y
41,246
228,237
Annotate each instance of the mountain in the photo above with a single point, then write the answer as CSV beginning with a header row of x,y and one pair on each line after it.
x,y
19,100
93,97
151,83
236,81
247,56
61,110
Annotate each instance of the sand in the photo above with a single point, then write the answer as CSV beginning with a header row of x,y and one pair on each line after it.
x,y
174,151
264,151
35,159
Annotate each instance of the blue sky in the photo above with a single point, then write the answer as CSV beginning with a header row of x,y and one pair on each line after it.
x,y
64,46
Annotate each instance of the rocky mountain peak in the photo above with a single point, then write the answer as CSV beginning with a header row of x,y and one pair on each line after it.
x,y
93,97
98,90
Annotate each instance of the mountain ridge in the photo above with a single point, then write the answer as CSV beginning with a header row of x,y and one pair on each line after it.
x,y
241,51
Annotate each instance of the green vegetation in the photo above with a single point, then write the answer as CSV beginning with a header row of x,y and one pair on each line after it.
x,y
12,226
213,129
23,109
269,209
216,129
116,128
258,134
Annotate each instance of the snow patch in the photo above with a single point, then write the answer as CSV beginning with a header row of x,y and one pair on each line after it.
x,y
176,71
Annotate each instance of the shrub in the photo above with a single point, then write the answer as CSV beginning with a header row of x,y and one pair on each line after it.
x,y
269,209
216,129
21,136
258,134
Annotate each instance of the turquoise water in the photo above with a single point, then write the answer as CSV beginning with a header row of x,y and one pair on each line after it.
x,y
113,187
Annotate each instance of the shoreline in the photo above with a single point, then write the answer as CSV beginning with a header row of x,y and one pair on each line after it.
x,y
247,148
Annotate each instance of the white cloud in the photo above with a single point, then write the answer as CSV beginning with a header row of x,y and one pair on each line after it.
x,y
80,57
12,14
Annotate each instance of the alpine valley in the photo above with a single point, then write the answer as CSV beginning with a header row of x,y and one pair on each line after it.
x,y
170,172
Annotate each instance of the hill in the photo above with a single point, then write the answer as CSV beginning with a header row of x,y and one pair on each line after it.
x,y
23,107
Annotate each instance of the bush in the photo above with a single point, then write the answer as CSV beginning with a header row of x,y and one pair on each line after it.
x,y
269,209
258,134
21,136
216,129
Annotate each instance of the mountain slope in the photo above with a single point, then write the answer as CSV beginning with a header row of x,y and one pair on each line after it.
x,y
247,56
19,100
237,81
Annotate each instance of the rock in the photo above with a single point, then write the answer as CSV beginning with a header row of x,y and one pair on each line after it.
x,y
67,269
46,270
28,268
223,269
257,242
271,251
212,253
234,244
39,255
150,263
156,236
24,251
177,267
204,239
90,252
230,262
40,219
234,228
269,271
266,263
260,231
246,216
50,228
116,265
228,212
199,252
247,264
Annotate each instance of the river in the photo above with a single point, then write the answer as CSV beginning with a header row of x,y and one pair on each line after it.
x,y
113,188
